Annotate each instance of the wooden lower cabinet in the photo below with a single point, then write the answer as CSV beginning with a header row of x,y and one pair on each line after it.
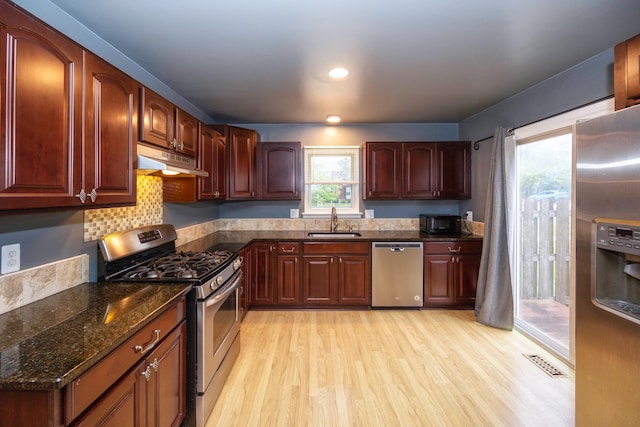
x,y
287,273
153,393
261,271
336,274
122,405
451,273
309,274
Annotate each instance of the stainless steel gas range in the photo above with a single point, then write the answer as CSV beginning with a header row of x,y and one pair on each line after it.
x,y
149,254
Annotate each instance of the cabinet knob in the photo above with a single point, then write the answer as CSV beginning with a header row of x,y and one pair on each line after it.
x,y
155,364
93,195
146,373
82,195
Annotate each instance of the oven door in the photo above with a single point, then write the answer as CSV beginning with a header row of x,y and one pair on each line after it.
x,y
218,323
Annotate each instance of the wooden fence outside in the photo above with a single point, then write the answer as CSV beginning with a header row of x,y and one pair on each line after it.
x,y
545,249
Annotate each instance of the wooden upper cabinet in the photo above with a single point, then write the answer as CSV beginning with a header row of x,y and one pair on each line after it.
x,y
419,178
417,170
241,146
110,129
281,170
383,170
158,119
40,114
627,73
166,126
186,134
454,165
213,159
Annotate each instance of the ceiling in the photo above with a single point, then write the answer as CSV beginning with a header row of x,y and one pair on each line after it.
x,y
259,61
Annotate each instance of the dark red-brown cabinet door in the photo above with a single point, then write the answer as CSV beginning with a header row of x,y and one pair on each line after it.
x,y
420,170
40,114
384,170
111,125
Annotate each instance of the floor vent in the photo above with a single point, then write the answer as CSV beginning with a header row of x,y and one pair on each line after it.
x,y
547,367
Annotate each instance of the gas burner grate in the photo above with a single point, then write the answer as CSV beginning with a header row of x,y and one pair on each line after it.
x,y
547,367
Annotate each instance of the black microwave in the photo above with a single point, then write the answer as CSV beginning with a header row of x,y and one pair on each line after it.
x,y
440,224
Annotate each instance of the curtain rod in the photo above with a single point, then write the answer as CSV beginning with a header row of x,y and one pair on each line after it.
x,y
476,145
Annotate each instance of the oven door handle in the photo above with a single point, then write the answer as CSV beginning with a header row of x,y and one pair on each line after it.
x,y
224,292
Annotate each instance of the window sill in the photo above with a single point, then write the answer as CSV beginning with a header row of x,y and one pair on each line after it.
x,y
346,215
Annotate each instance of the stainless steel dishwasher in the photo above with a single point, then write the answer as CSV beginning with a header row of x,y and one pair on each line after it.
x,y
396,274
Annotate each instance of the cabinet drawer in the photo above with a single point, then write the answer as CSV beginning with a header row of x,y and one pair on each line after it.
x,y
457,247
82,392
288,247
336,247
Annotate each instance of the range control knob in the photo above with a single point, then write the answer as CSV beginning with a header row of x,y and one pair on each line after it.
x,y
237,263
219,280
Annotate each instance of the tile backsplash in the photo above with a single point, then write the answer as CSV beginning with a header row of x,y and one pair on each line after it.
x,y
147,211
29,285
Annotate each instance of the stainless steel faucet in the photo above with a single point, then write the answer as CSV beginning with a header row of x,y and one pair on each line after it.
x,y
334,219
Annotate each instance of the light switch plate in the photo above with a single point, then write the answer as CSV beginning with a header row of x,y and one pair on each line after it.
x,y
10,258
294,213
368,213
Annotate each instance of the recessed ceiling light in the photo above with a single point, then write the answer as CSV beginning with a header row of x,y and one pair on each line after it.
x,y
338,73
333,119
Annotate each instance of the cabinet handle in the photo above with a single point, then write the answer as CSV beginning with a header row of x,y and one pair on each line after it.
x,y
455,251
144,348
82,195
182,145
155,364
93,195
146,373
253,194
289,251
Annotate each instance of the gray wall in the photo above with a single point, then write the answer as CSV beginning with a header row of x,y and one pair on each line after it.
x,y
47,237
585,83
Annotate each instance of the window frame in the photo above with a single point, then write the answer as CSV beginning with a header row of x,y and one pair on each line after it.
x,y
351,151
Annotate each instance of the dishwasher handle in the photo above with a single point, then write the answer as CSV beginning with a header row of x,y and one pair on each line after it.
x,y
397,246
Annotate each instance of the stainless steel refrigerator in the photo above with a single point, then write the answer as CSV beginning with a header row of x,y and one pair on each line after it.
x,y
608,270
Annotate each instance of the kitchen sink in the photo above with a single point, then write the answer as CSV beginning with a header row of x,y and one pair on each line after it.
x,y
335,234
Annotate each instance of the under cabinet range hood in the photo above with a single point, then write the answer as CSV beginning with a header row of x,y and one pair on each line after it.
x,y
155,161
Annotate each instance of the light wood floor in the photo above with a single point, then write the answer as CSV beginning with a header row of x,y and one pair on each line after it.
x,y
388,368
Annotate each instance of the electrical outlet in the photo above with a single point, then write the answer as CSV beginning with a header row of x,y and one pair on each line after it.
x,y
10,258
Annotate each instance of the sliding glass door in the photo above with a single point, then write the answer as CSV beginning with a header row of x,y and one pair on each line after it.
x,y
544,239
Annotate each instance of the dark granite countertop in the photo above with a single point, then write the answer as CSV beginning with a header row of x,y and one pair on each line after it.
x,y
48,343
238,239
